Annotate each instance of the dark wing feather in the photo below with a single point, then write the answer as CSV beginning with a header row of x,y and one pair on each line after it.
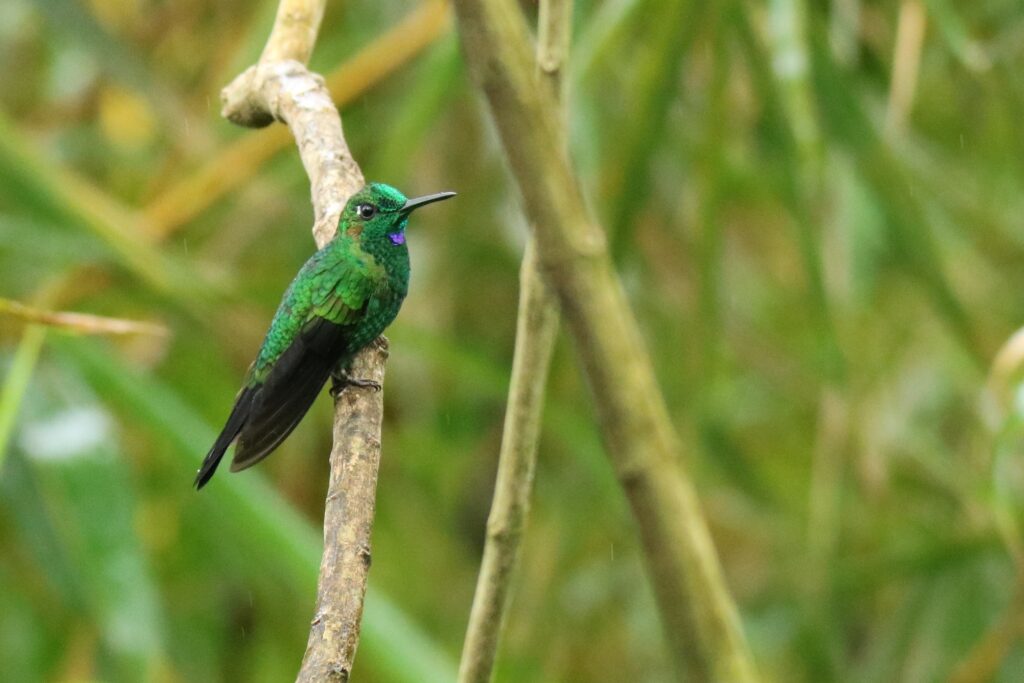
x,y
234,424
289,390
266,412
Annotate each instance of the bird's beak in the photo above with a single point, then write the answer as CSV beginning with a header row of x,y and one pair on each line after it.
x,y
417,202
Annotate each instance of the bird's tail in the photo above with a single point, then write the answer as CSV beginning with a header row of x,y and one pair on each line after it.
x,y
236,421
283,402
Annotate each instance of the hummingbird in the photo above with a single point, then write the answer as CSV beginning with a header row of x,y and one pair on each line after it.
x,y
342,299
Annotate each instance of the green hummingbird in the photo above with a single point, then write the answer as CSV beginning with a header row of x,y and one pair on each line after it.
x,y
342,299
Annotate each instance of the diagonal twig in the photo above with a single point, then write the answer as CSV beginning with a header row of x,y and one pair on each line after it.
x,y
536,332
82,323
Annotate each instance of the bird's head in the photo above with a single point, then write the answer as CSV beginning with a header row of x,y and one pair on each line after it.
x,y
379,214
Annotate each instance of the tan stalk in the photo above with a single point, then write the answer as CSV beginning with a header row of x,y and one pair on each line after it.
x,y
536,332
81,323
702,627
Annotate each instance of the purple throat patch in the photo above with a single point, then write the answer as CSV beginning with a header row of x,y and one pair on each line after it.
x,y
397,237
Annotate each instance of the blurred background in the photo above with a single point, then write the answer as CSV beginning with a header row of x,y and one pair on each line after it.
x,y
816,211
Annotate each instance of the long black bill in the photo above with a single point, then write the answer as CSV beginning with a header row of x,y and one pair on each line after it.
x,y
417,202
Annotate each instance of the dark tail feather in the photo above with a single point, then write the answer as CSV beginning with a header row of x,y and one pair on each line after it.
x,y
236,421
281,407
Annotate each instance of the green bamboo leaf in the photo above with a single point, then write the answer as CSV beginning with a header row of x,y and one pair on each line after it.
x,y
38,567
73,507
20,243
249,511
657,83
52,194
435,82
16,384
787,98
89,501
956,35
72,22
27,642
603,28
908,227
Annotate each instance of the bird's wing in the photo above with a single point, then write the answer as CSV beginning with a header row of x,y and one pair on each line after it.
x,y
297,376
276,397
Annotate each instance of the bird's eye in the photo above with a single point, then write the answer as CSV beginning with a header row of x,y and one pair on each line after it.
x,y
366,211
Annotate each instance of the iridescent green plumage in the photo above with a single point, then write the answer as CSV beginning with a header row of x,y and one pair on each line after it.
x,y
344,296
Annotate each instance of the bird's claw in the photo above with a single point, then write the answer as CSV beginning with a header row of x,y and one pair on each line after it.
x,y
364,383
339,382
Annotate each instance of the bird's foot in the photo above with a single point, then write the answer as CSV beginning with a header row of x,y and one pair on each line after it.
x,y
364,383
339,381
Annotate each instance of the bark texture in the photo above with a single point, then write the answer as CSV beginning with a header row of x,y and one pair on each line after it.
x,y
280,88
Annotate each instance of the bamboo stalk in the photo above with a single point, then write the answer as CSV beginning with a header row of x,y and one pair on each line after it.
x,y
700,619
536,332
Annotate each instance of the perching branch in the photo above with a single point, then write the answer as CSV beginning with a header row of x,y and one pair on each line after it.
x,y
280,87
348,521
536,332
700,619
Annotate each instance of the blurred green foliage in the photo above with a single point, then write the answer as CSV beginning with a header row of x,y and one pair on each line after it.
x,y
825,260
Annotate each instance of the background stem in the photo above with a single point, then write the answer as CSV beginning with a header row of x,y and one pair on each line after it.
x,y
536,333
701,623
